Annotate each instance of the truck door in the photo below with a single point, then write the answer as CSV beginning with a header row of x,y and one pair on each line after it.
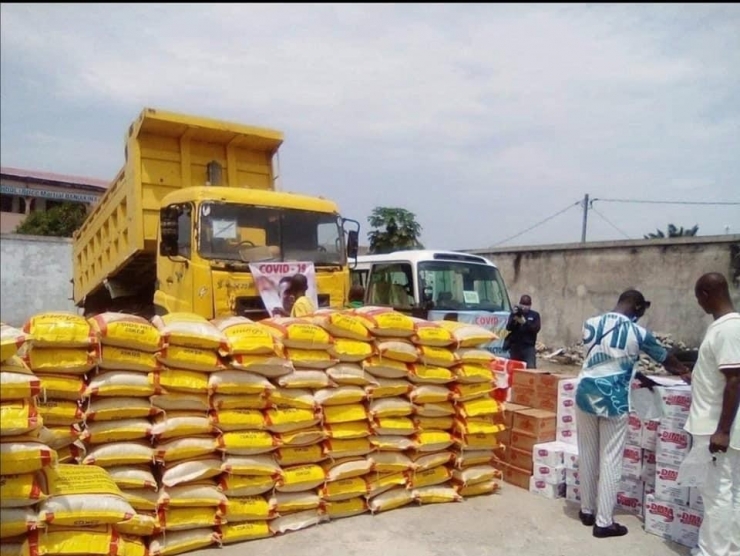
x,y
175,273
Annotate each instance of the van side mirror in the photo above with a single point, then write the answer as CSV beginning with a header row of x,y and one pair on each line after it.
x,y
168,218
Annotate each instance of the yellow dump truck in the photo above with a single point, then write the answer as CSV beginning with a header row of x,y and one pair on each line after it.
x,y
193,206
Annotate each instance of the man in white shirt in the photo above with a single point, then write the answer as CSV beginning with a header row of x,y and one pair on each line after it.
x,y
714,422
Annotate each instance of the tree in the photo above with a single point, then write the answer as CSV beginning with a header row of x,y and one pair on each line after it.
x,y
61,221
673,232
394,229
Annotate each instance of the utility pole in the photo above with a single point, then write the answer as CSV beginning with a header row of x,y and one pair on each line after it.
x,y
585,218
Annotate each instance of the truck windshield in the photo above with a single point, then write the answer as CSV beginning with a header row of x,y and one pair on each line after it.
x,y
228,231
459,286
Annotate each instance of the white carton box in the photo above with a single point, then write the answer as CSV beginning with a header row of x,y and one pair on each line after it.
x,y
648,470
566,421
659,517
570,456
566,406
649,434
573,493
552,475
686,527
546,489
666,485
548,453
567,436
630,496
634,430
632,462
675,403
673,445
567,388
572,477
695,500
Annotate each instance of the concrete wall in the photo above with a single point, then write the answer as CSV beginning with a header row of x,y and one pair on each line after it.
x,y
35,276
571,282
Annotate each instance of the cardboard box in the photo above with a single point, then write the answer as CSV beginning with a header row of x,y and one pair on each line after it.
x,y
536,422
572,477
675,403
659,517
546,401
526,378
648,467
567,436
566,421
527,442
672,446
567,389
649,434
686,527
520,459
548,453
695,500
504,437
550,383
634,430
517,477
551,475
548,490
573,493
523,396
570,456
630,497
666,485
632,463
509,410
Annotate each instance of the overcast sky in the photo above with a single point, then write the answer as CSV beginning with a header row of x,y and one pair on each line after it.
x,y
481,119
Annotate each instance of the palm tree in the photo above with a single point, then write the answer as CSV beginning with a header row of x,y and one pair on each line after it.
x,y
673,231
395,229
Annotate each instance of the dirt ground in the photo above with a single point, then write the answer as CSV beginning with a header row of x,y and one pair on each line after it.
x,y
512,522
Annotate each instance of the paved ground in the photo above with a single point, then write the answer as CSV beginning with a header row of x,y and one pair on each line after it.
x,y
512,522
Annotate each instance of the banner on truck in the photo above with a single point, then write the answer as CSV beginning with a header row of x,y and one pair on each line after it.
x,y
495,322
268,277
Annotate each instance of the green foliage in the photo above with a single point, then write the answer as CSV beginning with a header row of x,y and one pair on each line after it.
x,y
673,231
394,229
61,221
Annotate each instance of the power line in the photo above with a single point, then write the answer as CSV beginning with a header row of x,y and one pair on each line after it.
x,y
612,224
648,202
538,223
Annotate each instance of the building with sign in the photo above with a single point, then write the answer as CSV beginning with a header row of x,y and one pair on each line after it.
x,y
25,191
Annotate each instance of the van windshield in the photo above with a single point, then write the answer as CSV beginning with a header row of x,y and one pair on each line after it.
x,y
228,231
461,286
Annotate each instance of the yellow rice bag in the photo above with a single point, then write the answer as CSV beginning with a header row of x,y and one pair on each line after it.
x,y
433,441
423,461
443,409
386,368
390,464
284,420
311,359
19,491
305,379
298,398
238,383
345,508
388,388
347,448
394,425
477,489
11,341
238,420
224,401
123,359
141,525
203,494
190,330
349,374
342,395
431,334
390,407
299,455
260,465
182,472
111,409
178,542
342,325
430,375
398,350
467,392
479,407
15,364
17,386
382,321
60,413
125,331
478,441
141,499
430,393
348,431
437,357
468,335
470,373
271,366
19,417
106,432
349,468
181,423
132,477
434,423
292,502
300,478
479,425
178,381
475,356
191,359
72,361
250,508
175,401
303,437
185,448
429,477
182,519
119,453
390,500
61,387
246,531
59,330
299,333
337,414
242,486
120,384
436,494
344,489
247,443
391,443
351,351
247,337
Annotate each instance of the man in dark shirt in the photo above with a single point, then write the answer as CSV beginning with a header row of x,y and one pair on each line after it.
x,y
523,326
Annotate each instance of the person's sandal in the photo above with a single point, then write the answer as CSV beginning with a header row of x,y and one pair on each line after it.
x,y
614,530
587,519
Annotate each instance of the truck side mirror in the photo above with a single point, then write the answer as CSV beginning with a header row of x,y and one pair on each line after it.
x,y
168,218
353,244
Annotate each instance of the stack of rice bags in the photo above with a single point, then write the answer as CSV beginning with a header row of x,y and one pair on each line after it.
x,y
118,411
64,350
190,506
22,454
478,415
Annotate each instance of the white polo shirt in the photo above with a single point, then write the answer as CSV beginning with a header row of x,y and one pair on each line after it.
x,y
719,349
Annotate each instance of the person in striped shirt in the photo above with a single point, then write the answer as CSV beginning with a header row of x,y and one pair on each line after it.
x,y
613,342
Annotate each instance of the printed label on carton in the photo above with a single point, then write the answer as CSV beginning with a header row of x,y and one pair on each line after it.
x,y
630,496
548,453
572,477
552,475
632,462
659,517
570,456
672,446
675,405
686,528
634,430
543,488
573,493
567,389
666,485
649,434
567,436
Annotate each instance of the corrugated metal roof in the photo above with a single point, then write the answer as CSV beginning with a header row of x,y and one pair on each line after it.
x,y
50,177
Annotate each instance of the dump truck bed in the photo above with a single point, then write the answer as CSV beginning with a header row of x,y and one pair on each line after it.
x,y
165,152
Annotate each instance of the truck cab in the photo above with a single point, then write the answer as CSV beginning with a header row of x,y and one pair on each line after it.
x,y
438,285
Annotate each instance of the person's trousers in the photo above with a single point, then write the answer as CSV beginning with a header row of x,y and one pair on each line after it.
x,y
719,534
528,354
601,443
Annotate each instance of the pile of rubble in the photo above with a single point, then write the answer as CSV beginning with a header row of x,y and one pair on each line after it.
x,y
574,354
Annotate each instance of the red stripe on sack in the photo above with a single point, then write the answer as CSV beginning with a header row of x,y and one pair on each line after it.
x,y
102,324
115,542
33,543
19,341
46,457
